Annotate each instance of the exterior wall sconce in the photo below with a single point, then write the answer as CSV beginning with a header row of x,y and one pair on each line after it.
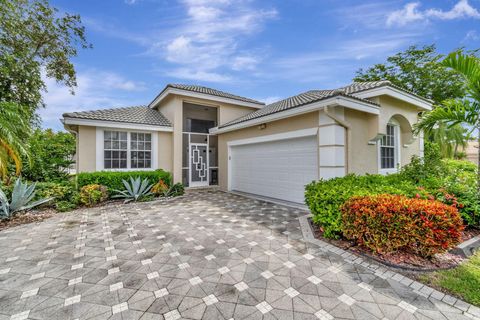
x,y
262,126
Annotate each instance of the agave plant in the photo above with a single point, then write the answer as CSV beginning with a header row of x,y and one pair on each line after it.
x,y
22,196
135,190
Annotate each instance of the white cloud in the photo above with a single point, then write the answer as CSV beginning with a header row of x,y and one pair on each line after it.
x,y
206,45
462,9
411,13
96,90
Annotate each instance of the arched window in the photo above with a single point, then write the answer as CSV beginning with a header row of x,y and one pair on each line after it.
x,y
389,153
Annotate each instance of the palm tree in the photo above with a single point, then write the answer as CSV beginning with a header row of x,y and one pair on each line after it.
x,y
465,111
448,138
14,130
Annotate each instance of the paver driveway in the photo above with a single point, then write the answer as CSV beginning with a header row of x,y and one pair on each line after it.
x,y
208,255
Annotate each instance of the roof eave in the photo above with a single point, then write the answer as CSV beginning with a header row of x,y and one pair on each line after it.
x,y
114,124
176,91
393,91
336,100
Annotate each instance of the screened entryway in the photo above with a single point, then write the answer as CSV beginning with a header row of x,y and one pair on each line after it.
x,y
200,158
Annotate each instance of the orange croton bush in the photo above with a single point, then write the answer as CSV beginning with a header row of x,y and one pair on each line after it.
x,y
389,223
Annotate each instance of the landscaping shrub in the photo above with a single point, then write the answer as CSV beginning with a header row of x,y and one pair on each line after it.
x,y
64,206
389,223
439,177
65,196
113,179
325,197
93,194
176,190
53,155
159,188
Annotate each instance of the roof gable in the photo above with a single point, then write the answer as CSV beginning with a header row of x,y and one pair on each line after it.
x,y
205,93
358,90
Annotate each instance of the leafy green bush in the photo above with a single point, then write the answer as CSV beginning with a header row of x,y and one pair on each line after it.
x,y
113,179
93,194
439,177
325,197
53,155
176,190
65,196
64,206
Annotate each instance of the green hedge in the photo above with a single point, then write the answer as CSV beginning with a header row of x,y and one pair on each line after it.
x,y
113,179
325,197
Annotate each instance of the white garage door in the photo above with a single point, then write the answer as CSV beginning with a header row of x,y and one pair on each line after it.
x,y
277,169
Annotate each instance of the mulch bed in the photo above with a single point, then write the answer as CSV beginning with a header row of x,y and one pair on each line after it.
x,y
25,218
402,260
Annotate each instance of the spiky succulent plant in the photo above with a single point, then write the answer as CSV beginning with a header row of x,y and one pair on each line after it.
x,y
135,189
22,196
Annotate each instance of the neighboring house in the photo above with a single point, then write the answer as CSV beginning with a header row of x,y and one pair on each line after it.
x,y
209,137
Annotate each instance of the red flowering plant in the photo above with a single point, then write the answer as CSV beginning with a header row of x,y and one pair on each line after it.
x,y
390,223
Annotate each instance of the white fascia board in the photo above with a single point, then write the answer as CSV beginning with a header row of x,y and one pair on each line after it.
x,y
395,93
203,96
343,101
275,137
113,124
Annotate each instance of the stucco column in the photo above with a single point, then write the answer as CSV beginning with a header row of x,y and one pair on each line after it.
x,y
178,141
331,145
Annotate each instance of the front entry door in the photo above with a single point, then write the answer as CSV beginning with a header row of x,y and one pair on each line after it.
x,y
198,164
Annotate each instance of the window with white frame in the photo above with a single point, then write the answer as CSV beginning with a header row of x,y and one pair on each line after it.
x,y
389,148
115,150
127,150
140,150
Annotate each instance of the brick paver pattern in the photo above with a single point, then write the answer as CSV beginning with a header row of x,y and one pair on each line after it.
x,y
206,255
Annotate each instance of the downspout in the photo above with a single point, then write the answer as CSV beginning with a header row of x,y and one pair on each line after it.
x,y
347,127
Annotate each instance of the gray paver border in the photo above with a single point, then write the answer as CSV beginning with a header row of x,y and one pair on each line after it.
x,y
385,273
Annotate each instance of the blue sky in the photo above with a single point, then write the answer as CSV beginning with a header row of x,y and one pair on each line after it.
x,y
266,50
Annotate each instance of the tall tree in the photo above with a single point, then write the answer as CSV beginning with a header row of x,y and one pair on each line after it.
x,y
459,111
420,70
36,40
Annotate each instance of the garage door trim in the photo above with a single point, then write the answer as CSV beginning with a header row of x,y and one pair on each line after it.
x,y
272,137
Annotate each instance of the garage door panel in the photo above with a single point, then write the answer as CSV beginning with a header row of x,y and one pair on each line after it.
x,y
277,169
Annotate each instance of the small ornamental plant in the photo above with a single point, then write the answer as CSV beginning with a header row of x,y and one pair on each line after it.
x,y
160,188
390,223
93,194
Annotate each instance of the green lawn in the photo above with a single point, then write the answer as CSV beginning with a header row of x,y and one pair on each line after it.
x,y
463,281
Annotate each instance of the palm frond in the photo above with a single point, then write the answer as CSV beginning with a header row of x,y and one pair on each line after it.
x,y
452,113
467,65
